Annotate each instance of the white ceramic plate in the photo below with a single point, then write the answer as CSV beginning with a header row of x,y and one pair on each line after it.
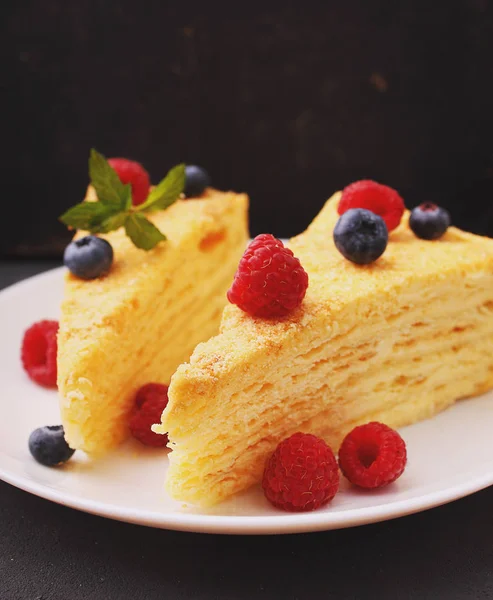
x,y
450,456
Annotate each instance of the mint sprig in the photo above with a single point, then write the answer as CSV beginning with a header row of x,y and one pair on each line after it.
x,y
113,208
111,192
167,191
142,232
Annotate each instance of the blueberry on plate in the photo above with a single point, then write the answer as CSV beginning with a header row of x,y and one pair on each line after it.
x,y
88,257
48,446
361,236
196,180
429,221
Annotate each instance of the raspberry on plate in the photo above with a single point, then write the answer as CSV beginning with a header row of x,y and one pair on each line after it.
x,y
150,401
301,475
380,199
270,281
39,352
133,173
372,455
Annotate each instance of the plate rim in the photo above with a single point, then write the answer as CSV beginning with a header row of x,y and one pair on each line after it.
x,y
285,523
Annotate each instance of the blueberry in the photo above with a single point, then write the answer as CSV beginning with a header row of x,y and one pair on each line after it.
x,y
196,180
361,236
89,257
48,445
429,221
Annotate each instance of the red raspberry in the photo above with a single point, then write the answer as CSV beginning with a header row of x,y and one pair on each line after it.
x,y
150,401
133,173
372,455
39,350
264,239
270,281
302,474
380,199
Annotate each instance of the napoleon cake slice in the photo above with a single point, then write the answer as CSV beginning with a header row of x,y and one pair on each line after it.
x,y
139,322
395,341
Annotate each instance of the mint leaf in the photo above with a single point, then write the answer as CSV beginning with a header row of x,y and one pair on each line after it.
x,y
86,215
142,232
127,197
110,223
167,191
109,189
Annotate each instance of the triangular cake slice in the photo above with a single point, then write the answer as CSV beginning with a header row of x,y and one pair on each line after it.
x,y
395,341
143,319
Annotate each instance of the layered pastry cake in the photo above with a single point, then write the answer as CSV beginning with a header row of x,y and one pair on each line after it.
x,y
394,341
139,322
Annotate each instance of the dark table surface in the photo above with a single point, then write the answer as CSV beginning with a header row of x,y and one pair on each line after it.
x,y
49,552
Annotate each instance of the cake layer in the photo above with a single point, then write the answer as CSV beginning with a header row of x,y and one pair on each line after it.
x,y
140,322
395,341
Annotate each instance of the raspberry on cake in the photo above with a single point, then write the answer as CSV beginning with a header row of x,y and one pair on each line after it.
x,y
270,281
380,199
133,173
395,341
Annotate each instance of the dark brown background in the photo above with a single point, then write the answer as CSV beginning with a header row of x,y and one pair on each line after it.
x,y
286,101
